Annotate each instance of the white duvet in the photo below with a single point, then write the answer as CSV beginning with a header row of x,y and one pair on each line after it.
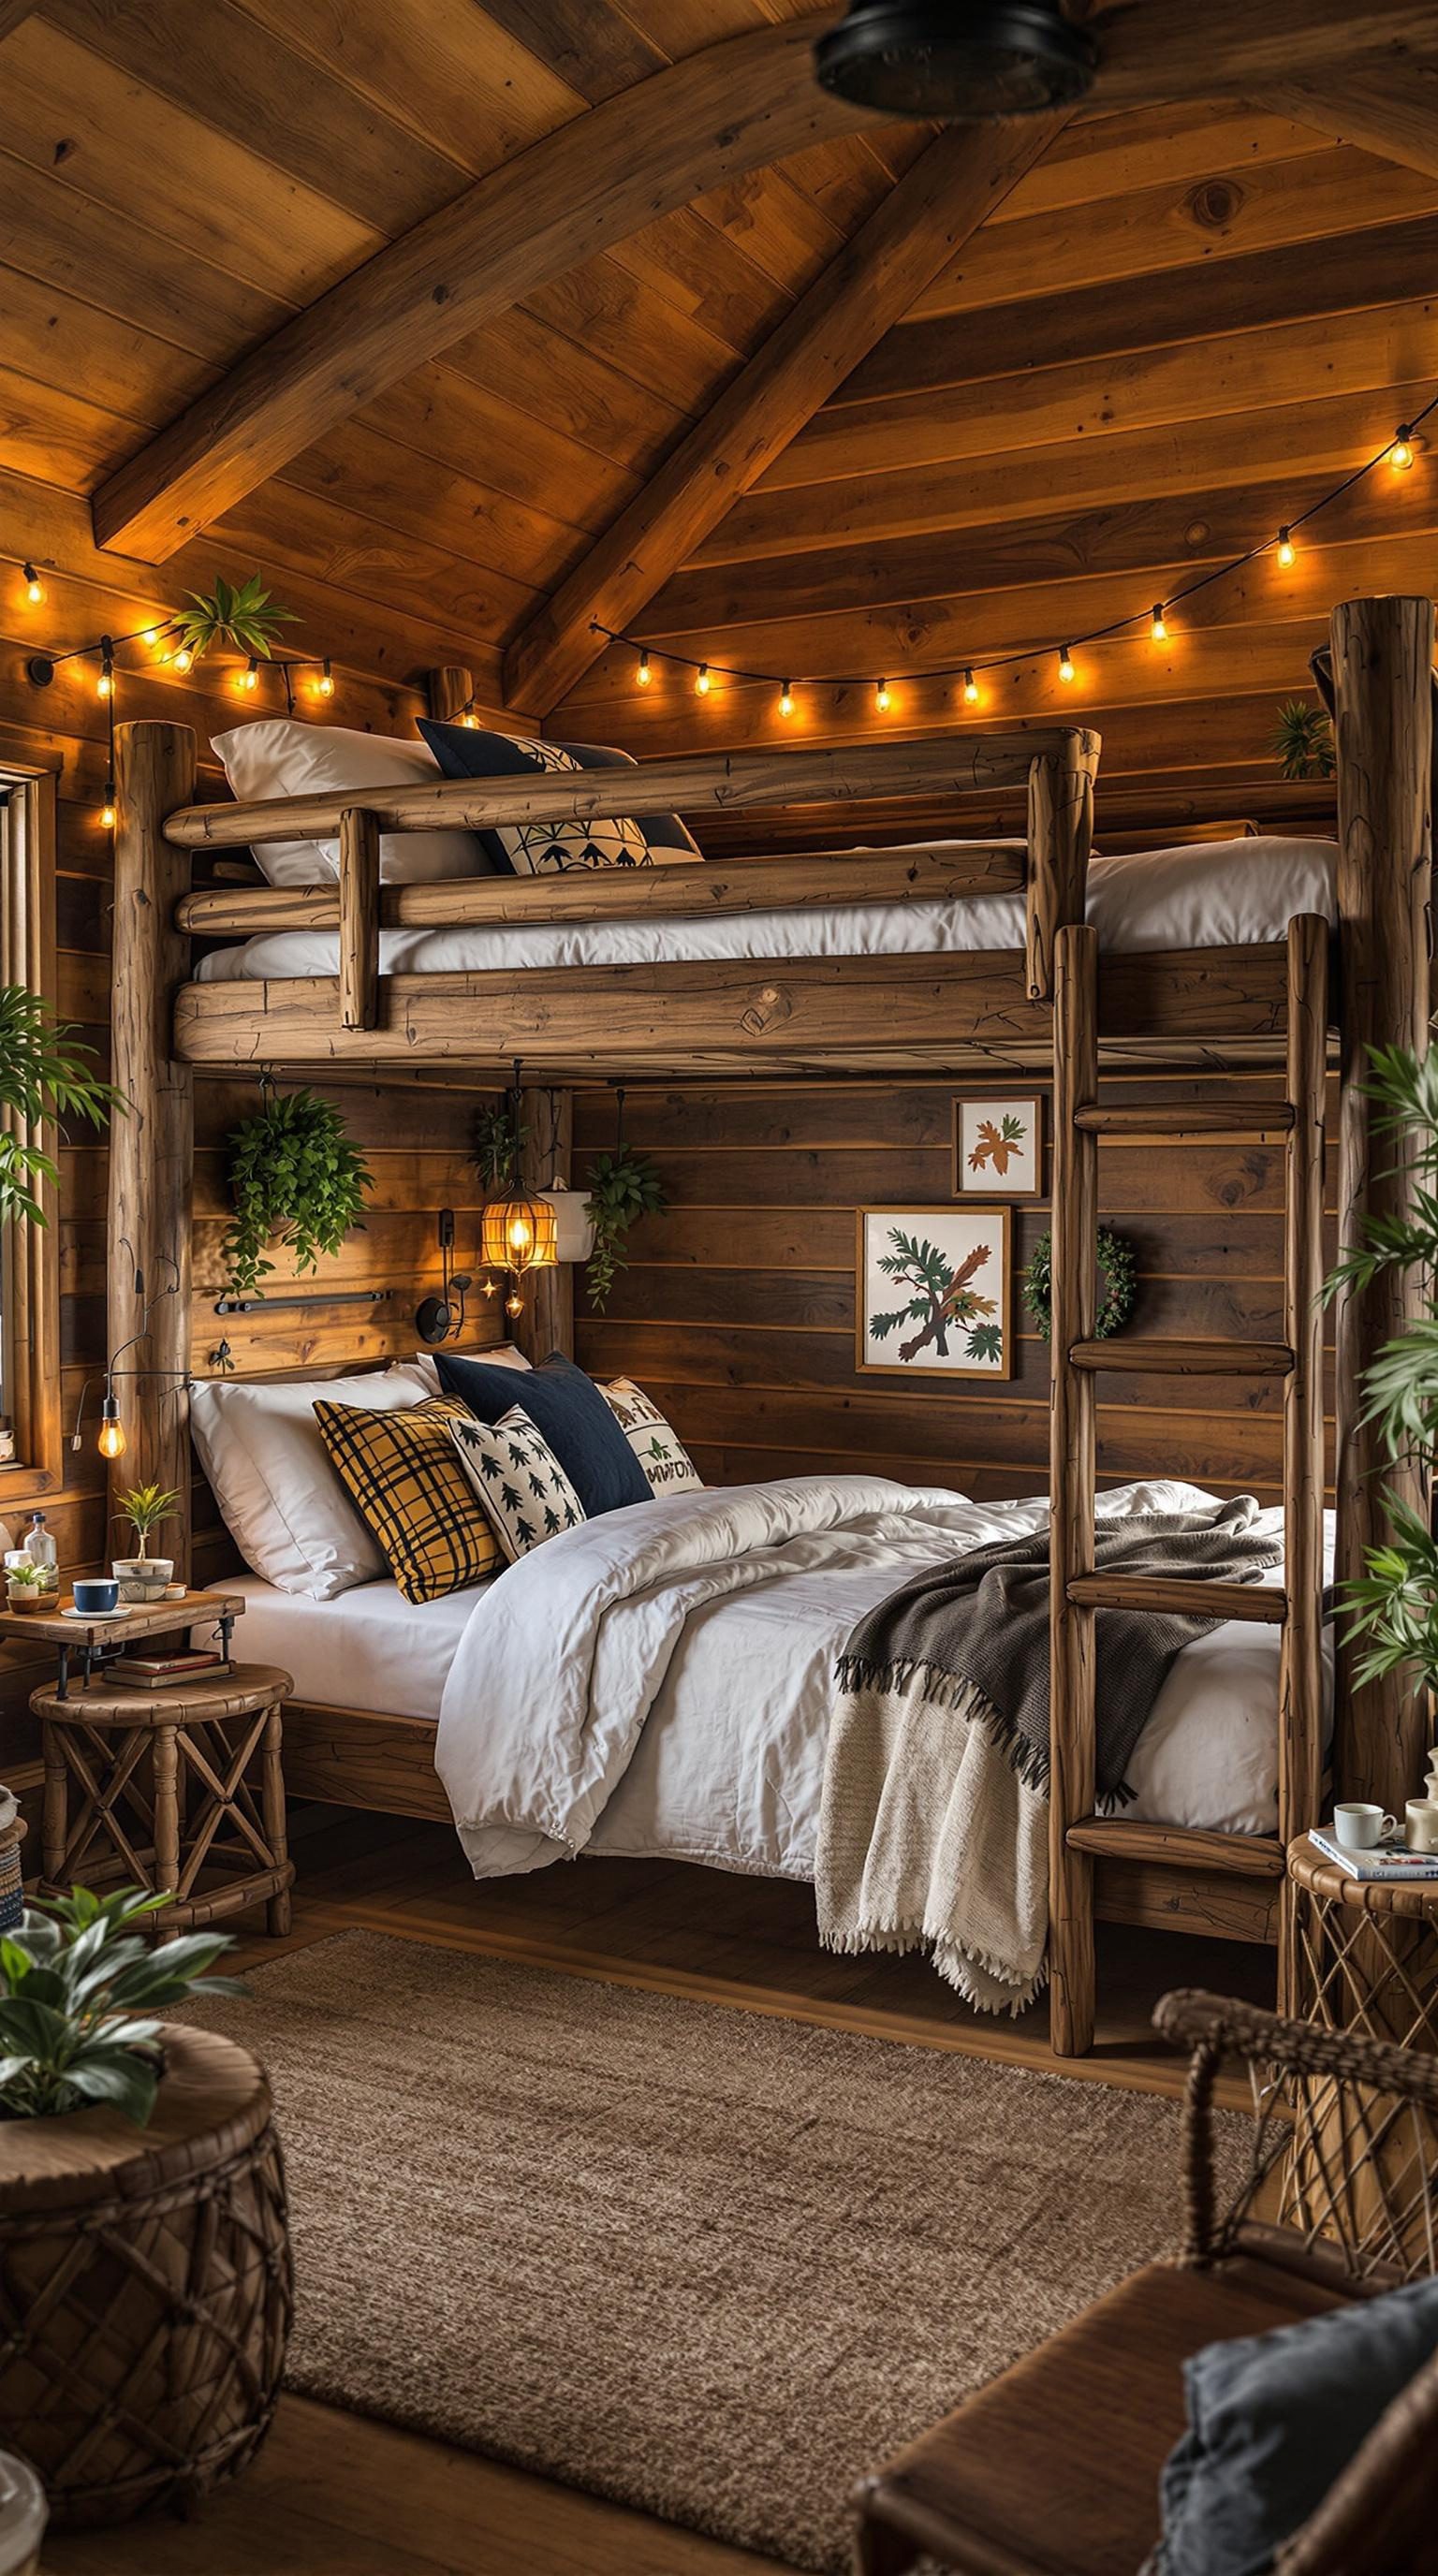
x,y
660,1681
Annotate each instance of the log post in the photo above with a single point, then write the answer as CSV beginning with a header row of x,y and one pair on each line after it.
x,y
547,1323
449,691
1061,786
1300,1725
359,919
1072,1470
1383,726
151,1147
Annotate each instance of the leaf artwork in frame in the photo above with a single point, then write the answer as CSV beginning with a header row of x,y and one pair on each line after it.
x,y
934,1292
998,1146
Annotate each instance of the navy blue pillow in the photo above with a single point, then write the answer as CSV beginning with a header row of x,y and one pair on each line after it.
x,y
571,1413
466,751
1273,2418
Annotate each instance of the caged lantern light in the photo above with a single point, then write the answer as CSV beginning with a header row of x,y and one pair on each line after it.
x,y
518,1231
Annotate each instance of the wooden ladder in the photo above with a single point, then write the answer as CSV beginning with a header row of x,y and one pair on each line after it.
x,y
1077,1836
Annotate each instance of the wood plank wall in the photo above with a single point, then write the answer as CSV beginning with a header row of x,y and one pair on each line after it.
x,y
737,1311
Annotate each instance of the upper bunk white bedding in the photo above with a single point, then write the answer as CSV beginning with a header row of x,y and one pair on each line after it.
x,y
724,1678
1214,894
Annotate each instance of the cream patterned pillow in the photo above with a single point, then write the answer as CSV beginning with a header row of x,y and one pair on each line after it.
x,y
521,1487
666,1463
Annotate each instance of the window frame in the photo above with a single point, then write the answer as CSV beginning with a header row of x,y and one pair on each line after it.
x,y
32,1252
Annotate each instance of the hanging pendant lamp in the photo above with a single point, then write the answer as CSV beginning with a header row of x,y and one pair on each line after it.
x,y
960,59
518,1232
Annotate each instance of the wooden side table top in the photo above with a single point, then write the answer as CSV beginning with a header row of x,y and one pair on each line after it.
x,y
1310,1868
241,1692
142,1619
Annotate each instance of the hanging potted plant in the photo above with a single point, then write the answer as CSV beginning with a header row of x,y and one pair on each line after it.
x,y
144,2257
295,1179
143,1577
44,1073
623,1186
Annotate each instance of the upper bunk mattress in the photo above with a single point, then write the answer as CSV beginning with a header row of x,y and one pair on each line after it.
x,y
1215,894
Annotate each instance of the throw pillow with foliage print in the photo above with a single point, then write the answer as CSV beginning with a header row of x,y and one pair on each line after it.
x,y
667,1465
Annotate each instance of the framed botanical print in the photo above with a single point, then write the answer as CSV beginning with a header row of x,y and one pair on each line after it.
x,y
934,1292
999,1146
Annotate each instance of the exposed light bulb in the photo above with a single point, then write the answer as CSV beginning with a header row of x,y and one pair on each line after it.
x,y
107,810
326,683
1066,664
701,683
112,1430
519,1235
1400,454
152,636
250,676
1159,628
34,586
184,658
1286,548
470,720
105,685
882,699
786,699
645,674
971,690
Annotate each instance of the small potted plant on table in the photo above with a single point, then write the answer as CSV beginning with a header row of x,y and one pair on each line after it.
x,y
143,1577
27,1587
144,2258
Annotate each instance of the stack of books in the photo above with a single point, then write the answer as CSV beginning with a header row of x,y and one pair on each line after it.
x,y
1385,1860
167,1672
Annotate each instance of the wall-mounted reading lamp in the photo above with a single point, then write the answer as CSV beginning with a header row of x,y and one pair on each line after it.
x,y
438,1318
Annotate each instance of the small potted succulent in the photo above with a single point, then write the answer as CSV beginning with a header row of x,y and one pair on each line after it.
x,y
26,1586
143,1577
147,2274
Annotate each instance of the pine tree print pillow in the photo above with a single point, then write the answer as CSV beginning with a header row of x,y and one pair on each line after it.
x,y
519,1483
662,1455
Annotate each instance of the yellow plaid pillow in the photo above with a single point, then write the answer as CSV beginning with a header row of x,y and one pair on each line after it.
x,y
403,1475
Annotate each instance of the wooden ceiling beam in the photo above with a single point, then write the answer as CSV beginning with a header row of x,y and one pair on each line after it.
x,y
606,174
1154,52
1390,109
13,11
871,284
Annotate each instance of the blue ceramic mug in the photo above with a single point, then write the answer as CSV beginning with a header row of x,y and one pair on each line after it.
x,y
98,1596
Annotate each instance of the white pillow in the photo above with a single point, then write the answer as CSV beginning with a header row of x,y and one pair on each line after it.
x,y
503,1355
518,1482
279,756
283,1504
667,1465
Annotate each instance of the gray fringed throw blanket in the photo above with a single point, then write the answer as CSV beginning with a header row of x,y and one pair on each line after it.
x,y
932,1827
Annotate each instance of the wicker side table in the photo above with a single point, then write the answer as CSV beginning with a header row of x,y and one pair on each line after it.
x,y
154,1789
1365,1960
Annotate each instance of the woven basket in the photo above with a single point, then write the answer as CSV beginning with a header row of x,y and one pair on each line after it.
x,y
146,2288
12,1892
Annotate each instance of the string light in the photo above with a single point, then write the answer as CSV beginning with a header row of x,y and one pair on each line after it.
x,y
111,1442
1066,663
325,683
701,683
1286,548
1159,628
786,699
34,586
644,672
105,685
107,824
250,676
1400,454
971,690
184,659
470,720
882,699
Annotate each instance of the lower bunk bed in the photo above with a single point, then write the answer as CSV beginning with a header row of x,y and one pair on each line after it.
x,y
661,1684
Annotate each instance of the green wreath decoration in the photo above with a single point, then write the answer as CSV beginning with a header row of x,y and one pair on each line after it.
x,y
1119,1265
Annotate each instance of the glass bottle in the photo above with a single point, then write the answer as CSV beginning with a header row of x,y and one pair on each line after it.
x,y
41,1549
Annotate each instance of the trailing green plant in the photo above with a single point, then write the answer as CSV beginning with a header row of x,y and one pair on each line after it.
x,y
623,1186
45,1072
247,617
146,1508
295,1178
78,1989
494,1148
1394,1605
1118,1263
1303,740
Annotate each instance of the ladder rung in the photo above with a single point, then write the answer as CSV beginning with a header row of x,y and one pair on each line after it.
x,y
1222,1118
1150,1358
1265,1604
1119,1838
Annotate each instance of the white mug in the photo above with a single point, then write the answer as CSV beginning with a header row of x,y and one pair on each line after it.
x,y
1361,1827
1422,1835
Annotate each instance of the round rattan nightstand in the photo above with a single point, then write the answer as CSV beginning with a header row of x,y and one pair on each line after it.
x,y
153,1788
1365,1952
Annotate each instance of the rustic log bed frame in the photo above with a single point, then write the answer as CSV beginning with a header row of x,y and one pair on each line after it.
x,y
940,1012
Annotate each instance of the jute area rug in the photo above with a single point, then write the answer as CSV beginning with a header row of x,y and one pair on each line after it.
x,y
707,2263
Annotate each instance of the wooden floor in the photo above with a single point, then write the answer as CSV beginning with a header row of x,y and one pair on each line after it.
x,y
333,2495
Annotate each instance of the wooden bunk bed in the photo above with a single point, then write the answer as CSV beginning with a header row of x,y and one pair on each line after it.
x,y
1269,1000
